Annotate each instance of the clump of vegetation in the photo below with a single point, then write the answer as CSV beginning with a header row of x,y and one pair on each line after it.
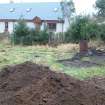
x,y
68,9
101,32
100,5
25,36
39,37
92,30
82,28
21,33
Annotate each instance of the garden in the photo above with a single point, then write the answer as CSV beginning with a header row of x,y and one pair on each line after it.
x,y
34,71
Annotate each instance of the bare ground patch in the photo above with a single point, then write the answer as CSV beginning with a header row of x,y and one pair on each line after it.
x,y
90,59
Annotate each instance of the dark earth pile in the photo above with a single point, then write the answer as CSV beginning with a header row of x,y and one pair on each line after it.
x,y
31,84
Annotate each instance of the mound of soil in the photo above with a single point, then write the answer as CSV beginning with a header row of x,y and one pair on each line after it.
x,y
97,81
31,84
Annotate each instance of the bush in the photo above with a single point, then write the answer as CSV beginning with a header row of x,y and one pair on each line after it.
x,y
82,28
25,36
21,33
92,30
39,37
101,32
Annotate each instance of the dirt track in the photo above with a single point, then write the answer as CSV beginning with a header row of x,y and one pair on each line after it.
x,y
31,84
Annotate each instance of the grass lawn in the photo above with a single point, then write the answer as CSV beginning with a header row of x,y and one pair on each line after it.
x,y
47,56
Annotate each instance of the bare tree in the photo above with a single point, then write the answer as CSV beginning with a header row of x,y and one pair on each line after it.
x,y
68,9
100,5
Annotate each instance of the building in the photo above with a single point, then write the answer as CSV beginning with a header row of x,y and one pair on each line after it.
x,y
40,14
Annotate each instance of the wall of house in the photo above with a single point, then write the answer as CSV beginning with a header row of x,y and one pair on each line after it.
x,y
30,24
58,27
43,26
2,27
10,26
65,26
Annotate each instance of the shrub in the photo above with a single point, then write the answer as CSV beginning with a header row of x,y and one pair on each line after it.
x,y
82,28
39,37
92,30
101,32
77,30
21,33
25,36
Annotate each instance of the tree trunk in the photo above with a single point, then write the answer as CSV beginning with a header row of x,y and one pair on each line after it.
x,y
83,46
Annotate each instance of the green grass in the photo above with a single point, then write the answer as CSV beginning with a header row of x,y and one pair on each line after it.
x,y
46,56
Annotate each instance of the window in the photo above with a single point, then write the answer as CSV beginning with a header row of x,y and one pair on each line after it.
x,y
6,25
52,26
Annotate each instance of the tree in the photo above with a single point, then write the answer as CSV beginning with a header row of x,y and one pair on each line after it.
x,y
24,35
78,29
100,5
68,9
21,34
79,32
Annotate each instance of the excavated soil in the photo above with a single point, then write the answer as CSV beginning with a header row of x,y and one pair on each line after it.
x,y
32,84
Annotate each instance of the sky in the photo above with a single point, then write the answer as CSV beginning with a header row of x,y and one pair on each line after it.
x,y
82,6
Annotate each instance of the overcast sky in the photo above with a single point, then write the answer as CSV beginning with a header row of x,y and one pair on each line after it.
x,y
81,6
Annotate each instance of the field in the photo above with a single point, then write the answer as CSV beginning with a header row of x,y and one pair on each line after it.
x,y
48,56
31,83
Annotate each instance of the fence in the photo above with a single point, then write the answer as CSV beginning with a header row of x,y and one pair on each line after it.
x,y
55,39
